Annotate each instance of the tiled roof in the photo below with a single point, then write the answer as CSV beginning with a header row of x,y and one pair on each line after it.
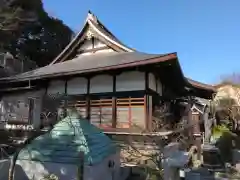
x,y
201,85
91,63
66,140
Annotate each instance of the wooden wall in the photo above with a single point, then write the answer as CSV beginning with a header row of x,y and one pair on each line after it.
x,y
118,101
93,45
77,86
130,81
126,81
103,91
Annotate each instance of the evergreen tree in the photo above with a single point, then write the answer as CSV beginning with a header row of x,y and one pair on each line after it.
x,y
28,32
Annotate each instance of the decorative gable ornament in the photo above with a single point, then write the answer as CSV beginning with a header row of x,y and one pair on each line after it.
x,y
196,110
89,34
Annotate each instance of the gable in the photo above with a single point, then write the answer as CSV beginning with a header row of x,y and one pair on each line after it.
x,y
93,38
196,110
93,45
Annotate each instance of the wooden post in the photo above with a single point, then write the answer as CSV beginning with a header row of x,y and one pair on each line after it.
x,y
150,110
114,104
130,113
189,119
114,112
81,166
207,125
146,108
65,98
88,107
146,112
195,118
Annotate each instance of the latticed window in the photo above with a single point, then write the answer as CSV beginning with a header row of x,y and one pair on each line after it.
x,y
101,112
76,104
130,112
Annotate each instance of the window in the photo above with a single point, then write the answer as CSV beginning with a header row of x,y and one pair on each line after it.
x,y
77,104
130,112
20,111
101,112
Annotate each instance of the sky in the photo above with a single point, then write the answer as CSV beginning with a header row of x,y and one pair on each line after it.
x,y
205,34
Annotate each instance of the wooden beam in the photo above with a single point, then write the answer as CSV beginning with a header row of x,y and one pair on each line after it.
x,y
18,88
93,50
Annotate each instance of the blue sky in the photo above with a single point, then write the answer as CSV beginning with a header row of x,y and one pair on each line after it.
x,y
205,34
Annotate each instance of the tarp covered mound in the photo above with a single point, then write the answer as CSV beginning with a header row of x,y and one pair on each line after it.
x,y
66,140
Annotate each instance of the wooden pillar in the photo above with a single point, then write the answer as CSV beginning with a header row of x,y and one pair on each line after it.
x,y
88,109
65,99
196,120
146,104
150,110
80,168
196,133
146,111
208,123
114,104
189,120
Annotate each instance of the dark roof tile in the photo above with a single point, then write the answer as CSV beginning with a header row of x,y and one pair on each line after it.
x,y
84,64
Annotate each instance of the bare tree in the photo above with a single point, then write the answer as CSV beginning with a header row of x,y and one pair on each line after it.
x,y
167,128
233,78
227,101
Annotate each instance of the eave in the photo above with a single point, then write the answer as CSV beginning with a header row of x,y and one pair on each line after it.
x,y
55,68
201,89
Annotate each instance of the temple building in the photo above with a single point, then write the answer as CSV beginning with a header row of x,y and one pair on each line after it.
x,y
115,87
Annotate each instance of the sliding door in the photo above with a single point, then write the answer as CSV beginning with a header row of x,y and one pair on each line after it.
x,y
101,112
130,113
